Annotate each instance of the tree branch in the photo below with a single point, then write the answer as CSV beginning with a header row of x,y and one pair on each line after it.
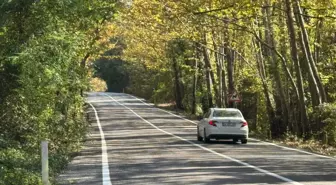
x,y
214,10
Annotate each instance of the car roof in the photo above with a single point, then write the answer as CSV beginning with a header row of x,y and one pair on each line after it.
x,y
229,109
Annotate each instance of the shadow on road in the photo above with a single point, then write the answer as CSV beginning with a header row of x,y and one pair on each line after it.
x,y
140,154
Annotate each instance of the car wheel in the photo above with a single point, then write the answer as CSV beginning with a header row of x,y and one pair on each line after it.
x,y
244,141
235,140
199,138
206,139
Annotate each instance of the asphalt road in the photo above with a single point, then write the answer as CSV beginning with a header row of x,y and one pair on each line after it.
x,y
132,142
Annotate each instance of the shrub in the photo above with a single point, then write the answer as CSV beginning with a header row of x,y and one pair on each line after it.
x,y
19,167
325,116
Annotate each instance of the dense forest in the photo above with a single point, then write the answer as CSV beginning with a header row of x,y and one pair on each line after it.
x,y
45,46
278,56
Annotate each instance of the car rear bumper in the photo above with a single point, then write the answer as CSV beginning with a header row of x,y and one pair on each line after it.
x,y
228,136
236,133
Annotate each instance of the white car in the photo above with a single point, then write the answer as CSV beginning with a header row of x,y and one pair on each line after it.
x,y
223,123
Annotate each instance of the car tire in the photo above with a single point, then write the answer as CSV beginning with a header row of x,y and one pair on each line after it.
x,y
199,138
205,139
244,141
235,141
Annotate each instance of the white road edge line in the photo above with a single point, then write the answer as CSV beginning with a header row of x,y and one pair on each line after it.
x,y
273,144
209,150
105,164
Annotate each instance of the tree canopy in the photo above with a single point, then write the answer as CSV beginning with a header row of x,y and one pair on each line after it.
x,y
277,55
44,49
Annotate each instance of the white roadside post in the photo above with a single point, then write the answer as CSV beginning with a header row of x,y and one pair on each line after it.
x,y
45,163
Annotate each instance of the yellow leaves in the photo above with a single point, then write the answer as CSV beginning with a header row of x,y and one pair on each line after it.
x,y
149,24
147,27
326,4
98,85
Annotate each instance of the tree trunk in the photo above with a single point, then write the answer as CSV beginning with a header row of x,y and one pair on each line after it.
x,y
193,106
288,80
209,90
262,74
318,40
230,59
308,54
219,98
83,65
224,86
178,93
202,78
230,68
275,70
224,59
209,67
209,73
299,79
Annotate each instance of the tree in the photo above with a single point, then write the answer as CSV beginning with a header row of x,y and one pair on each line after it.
x,y
236,46
42,44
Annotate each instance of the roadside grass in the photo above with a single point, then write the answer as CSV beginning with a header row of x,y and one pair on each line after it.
x,y
311,145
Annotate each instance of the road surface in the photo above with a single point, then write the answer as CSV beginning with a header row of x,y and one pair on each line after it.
x,y
132,142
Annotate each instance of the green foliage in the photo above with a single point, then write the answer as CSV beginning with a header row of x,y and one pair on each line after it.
x,y
42,77
165,39
9,73
262,127
19,167
180,55
326,113
164,90
113,72
97,85
47,105
111,68
142,80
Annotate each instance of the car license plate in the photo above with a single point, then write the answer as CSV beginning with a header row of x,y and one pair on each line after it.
x,y
228,124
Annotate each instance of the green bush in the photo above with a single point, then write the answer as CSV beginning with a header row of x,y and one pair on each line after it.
x,y
44,48
19,167
325,116
46,105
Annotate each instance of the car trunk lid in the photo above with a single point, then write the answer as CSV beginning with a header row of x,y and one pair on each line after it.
x,y
229,124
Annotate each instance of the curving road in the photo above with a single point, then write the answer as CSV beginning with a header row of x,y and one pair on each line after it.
x,y
132,142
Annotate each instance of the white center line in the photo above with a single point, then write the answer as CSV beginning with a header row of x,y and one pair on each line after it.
x,y
105,164
211,151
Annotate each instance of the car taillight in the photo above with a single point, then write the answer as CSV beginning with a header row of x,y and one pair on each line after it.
x,y
244,124
213,123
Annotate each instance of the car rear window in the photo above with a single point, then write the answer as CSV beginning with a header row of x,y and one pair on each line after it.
x,y
227,113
